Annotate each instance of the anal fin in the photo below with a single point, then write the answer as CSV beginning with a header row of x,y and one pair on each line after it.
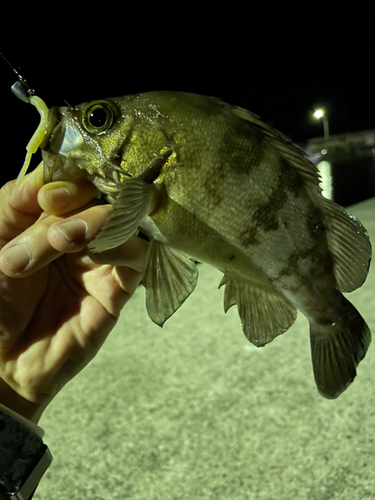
x,y
263,315
169,278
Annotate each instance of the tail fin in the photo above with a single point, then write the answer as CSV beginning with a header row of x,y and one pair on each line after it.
x,y
337,348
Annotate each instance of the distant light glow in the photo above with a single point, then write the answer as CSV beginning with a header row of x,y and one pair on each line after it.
x,y
319,113
324,151
325,170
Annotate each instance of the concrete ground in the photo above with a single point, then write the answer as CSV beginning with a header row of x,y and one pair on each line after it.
x,y
193,411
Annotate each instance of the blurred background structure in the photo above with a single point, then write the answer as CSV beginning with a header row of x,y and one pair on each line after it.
x,y
346,163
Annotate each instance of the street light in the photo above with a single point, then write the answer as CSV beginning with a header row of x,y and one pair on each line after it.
x,y
321,114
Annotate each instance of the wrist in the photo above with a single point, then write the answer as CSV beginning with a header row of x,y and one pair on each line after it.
x,y
12,400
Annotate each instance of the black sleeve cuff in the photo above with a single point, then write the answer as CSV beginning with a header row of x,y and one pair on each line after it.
x,y
24,458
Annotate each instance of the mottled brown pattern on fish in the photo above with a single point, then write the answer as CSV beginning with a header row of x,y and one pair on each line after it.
x,y
314,222
291,282
214,185
291,179
303,267
245,154
328,266
267,215
248,237
290,268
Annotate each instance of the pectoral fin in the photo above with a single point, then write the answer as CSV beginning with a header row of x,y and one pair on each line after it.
x,y
169,278
132,203
264,315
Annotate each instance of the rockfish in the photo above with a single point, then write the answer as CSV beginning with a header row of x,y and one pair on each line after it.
x,y
210,182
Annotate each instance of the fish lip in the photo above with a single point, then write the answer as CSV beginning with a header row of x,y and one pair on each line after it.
x,y
55,115
53,162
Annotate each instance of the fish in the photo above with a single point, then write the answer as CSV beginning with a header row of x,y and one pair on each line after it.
x,y
209,182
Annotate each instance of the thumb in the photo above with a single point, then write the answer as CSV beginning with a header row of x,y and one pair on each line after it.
x,y
23,197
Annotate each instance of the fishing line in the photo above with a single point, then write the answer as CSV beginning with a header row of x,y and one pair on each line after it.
x,y
25,87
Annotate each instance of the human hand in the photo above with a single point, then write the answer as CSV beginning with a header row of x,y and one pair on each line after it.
x,y
56,312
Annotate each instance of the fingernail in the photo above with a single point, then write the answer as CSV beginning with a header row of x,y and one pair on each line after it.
x,y
16,258
72,230
58,197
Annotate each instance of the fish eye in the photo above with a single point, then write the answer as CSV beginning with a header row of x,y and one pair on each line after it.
x,y
99,117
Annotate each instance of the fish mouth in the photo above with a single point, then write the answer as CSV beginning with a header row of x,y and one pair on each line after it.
x,y
53,167
57,166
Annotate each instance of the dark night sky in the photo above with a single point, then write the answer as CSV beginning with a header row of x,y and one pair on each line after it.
x,y
278,62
